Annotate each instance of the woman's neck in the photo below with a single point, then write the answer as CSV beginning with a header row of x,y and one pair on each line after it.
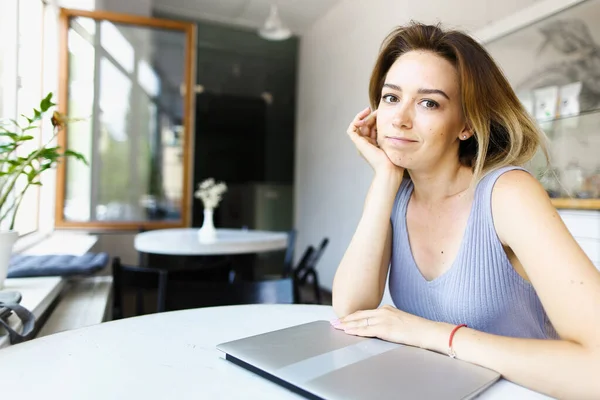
x,y
435,186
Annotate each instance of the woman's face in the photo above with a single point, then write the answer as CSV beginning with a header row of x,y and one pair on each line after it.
x,y
420,119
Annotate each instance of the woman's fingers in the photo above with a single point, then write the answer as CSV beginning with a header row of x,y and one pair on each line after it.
x,y
358,319
364,125
358,315
363,114
372,121
357,124
368,126
363,132
359,323
358,139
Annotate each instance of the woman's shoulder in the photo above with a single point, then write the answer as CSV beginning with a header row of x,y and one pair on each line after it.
x,y
515,182
516,196
507,179
511,188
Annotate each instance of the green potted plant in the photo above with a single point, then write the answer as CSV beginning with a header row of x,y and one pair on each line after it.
x,y
19,170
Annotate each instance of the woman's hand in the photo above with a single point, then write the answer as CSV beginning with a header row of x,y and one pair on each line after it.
x,y
390,324
363,132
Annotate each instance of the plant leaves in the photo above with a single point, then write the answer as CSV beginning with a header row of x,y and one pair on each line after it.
x,y
5,130
27,118
31,175
12,168
79,156
47,153
11,135
37,115
7,148
46,103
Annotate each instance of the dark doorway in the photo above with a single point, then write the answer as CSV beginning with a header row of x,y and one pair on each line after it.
x,y
230,142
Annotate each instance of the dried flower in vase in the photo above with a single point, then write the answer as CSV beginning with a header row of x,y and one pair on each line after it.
x,y
211,193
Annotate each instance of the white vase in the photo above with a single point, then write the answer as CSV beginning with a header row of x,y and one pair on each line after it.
x,y
207,233
7,240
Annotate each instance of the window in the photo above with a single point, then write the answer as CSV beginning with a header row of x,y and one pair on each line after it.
x,y
123,77
21,66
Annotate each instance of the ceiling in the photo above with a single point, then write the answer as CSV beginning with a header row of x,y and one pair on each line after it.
x,y
298,15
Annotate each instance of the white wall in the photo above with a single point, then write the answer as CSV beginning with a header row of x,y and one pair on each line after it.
x,y
336,57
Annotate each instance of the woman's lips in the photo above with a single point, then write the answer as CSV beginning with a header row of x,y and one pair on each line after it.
x,y
400,141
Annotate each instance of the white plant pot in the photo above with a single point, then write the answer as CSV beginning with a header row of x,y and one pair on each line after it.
x,y
207,233
7,240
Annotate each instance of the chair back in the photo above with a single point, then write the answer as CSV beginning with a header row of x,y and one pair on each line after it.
x,y
139,279
302,265
289,253
314,259
306,270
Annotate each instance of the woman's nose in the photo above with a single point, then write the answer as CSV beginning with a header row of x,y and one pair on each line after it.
x,y
403,117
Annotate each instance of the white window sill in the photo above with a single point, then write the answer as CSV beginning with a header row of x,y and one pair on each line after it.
x,y
40,292
56,242
30,240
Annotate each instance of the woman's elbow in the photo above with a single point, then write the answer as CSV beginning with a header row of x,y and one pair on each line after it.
x,y
344,307
340,307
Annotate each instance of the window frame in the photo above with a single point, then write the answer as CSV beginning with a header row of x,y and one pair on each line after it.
x,y
189,29
39,195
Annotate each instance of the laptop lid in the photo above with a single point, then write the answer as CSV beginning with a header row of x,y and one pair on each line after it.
x,y
321,362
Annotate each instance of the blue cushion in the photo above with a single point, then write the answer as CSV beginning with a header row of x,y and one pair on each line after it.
x,y
22,266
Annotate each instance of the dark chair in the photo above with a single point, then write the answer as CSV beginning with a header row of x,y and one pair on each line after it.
x,y
306,271
194,294
288,260
302,265
140,279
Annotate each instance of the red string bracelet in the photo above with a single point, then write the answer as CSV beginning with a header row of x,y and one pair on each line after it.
x,y
451,352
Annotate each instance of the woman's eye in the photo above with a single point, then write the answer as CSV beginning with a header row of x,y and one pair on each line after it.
x,y
430,104
389,98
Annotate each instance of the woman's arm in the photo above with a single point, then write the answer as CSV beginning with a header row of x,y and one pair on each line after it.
x,y
359,281
565,280
568,285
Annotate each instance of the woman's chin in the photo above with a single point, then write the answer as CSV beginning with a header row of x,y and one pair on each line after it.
x,y
399,160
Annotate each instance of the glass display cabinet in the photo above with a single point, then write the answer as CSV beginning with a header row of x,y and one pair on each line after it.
x,y
550,52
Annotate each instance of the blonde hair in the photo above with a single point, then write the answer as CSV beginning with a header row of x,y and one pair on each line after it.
x,y
503,132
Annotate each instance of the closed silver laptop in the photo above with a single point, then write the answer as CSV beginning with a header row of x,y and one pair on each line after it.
x,y
320,362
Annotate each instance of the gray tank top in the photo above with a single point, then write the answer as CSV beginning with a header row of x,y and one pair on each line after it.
x,y
481,288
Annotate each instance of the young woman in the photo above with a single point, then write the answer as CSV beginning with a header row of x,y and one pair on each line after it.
x,y
469,237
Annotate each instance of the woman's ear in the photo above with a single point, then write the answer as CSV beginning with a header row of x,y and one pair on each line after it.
x,y
466,133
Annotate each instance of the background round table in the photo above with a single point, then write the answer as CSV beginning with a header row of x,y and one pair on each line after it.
x,y
184,242
166,355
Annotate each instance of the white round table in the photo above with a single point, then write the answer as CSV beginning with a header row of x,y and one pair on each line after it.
x,y
184,242
167,355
